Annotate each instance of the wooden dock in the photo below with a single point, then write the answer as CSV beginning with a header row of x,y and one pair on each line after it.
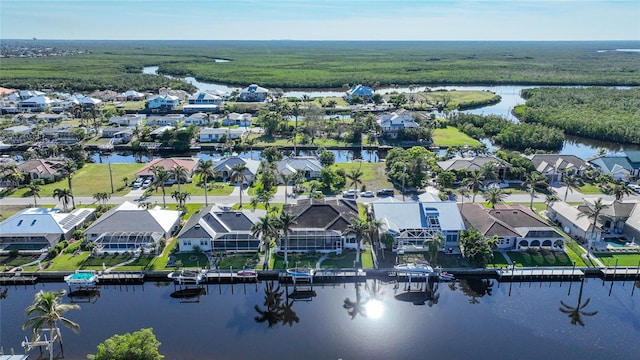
x,y
120,278
214,277
537,274
17,279
620,273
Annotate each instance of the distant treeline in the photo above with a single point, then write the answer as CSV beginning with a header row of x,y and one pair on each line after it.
x,y
606,114
300,64
508,134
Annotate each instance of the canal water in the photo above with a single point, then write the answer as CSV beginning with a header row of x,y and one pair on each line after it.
x,y
468,319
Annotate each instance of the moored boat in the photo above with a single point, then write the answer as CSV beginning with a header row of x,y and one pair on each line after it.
x,y
247,273
82,278
414,268
445,276
187,276
301,272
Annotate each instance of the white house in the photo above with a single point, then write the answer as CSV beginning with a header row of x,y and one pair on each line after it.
x,y
163,102
619,166
555,166
131,120
232,119
209,134
202,101
225,168
393,123
308,165
253,93
35,104
130,95
199,119
167,120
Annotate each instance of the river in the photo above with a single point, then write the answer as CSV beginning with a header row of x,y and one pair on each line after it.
x,y
469,319
581,147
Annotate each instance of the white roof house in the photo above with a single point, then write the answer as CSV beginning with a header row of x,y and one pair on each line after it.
x,y
36,103
253,93
392,123
309,165
225,167
40,228
209,134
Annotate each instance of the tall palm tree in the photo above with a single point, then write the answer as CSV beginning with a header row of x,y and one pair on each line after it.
x,y
355,179
594,213
265,229
374,232
180,197
551,199
463,191
286,178
533,181
474,182
160,177
238,175
205,170
621,189
284,225
575,312
360,228
571,182
179,173
46,311
488,171
34,189
63,195
68,168
435,244
494,196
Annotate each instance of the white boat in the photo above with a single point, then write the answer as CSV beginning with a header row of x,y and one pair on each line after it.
x,y
301,272
414,268
82,278
187,276
445,276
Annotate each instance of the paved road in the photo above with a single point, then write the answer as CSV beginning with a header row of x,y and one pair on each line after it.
x,y
234,197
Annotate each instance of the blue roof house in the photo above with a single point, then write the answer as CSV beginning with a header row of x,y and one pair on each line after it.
x,y
362,91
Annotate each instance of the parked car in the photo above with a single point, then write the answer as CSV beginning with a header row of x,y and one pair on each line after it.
x,y
385,192
146,183
635,188
350,193
367,193
138,182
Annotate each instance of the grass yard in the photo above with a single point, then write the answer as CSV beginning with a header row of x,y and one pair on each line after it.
x,y
589,189
238,262
540,258
625,260
498,261
192,259
452,137
374,176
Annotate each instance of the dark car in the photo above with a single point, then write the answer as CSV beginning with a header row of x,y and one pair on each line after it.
x,y
385,192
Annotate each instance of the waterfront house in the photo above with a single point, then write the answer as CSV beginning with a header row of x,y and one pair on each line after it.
x,y
167,120
130,95
576,222
131,120
129,227
514,226
308,165
199,119
620,166
413,224
363,92
46,169
202,101
220,229
38,229
253,93
17,134
163,102
392,124
555,166
320,225
475,163
209,134
167,164
63,134
119,135
244,120
225,168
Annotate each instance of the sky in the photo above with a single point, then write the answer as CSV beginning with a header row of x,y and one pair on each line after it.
x,y
320,19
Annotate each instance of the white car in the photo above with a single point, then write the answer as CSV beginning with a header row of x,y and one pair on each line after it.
x,y
367,193
635,188
146,183
350,193
138,182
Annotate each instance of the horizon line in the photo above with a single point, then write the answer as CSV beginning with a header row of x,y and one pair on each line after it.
x,y
323,40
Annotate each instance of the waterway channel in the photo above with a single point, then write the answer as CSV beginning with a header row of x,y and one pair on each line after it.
x,y
468,319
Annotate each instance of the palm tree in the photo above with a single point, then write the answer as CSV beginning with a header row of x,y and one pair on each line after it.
x,y
595,213
550,199
34,190
205,170
284,224
488,171
179,173
265,228
180,197
575,312
494,196
621,189
160,177
374,232
435,244
285,179
355,308
47,311
273,305
360,228
474,182
532,181
571,182
67,169
463,191
238,175
355,179
63,195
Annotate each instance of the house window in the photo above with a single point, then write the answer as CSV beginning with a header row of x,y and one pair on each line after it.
x,y
186,242
204,243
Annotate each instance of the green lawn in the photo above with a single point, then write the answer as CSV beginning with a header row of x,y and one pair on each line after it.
x,y
374,176
301,260
626,260
589,189
452,137
498,261
197,189
540,258
272,141
238,262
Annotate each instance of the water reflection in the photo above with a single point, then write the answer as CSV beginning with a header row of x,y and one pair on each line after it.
x,y
84,296
423,293
357,307
275,309
474,288
576,313
4,293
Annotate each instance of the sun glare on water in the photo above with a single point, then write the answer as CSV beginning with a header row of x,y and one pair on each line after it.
x,y
374,309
